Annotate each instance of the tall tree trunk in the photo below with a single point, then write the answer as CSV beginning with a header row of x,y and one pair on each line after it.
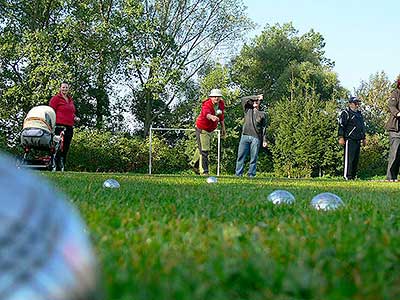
x,y
148,113
101,95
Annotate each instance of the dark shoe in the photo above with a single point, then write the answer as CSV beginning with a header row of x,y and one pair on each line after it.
x,y
196,170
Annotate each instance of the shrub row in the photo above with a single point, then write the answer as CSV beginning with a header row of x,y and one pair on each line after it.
x,y
94,150
99,151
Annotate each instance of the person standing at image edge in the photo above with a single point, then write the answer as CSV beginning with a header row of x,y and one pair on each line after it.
x,y
253,134
393,128
63,105
351,134
212,113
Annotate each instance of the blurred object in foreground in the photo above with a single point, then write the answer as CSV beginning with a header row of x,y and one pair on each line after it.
x,y
45,251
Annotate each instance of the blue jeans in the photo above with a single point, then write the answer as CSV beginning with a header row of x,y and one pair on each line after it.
x,y
248,144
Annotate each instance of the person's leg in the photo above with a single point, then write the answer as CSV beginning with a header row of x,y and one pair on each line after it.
x,y
396,164
254,148
394,156
352,152
69,132
346,168
60,151
244,147
205,141
356,145
195,163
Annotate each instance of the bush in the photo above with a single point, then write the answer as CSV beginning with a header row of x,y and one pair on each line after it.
x,y
93,150
373,157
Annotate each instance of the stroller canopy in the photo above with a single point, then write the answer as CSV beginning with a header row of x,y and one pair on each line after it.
x,y
42,116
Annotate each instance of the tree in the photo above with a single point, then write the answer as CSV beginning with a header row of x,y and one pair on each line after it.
x,y
374,94
45,42
304,130
177,39
272,59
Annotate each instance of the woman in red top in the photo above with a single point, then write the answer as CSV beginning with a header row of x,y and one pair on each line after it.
x,y
63,104
212,113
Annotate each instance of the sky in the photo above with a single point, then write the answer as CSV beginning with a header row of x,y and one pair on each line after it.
x,y
362,37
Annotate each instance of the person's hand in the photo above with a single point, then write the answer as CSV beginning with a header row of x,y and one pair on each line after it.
x,y
364,142
265,144
77,119
223,133
214,118
342,141
260,97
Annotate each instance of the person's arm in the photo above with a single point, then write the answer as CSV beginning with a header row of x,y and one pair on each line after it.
x,y
342,125
212,117
393,104
76,118
223,131
248,101
53,103
264,133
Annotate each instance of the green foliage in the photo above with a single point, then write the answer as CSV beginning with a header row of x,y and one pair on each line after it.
x,y
374,95
94,150
373,157
180,238
304,132
175,43
272,59
46,42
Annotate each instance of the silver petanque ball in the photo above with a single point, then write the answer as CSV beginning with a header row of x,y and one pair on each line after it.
x,y
111,184
212,179
326,201
281,197
45,250
218,112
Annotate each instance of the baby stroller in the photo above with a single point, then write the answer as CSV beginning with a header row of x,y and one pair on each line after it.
x,y
39,141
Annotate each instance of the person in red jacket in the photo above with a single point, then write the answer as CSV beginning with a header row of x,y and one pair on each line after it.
x,y
212,113
63,105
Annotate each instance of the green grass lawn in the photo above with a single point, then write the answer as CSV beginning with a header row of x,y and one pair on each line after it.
x,y
172,237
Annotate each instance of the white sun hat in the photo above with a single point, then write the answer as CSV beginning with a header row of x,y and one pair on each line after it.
x,y
215,93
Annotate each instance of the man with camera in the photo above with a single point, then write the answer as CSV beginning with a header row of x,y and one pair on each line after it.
x,y
253,134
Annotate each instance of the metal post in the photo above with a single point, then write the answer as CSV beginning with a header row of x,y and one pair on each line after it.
x,y
218,150
150,140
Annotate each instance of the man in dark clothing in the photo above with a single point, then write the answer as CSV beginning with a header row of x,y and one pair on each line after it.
x,y
253,134
394,134
351,135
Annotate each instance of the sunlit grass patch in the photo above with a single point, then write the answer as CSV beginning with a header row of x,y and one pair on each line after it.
x,y
177,237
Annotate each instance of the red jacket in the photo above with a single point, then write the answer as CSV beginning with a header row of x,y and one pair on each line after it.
x,y
207,107
65,111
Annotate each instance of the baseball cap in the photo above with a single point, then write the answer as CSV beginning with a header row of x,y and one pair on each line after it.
x,y
354,100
